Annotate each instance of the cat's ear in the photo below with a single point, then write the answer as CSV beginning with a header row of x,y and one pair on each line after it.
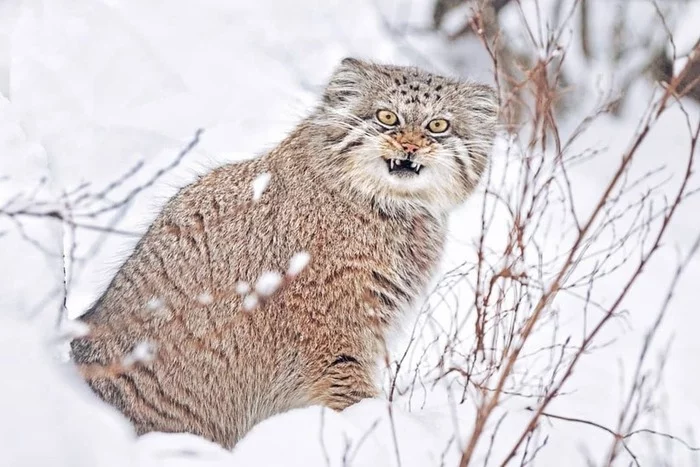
x,y
483,100
353,63
346,82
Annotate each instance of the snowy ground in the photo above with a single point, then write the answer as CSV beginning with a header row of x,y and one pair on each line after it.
x,y
88,89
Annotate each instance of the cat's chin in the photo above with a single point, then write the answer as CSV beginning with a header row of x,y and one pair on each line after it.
x,y
404,190
409,206
401,194
408,182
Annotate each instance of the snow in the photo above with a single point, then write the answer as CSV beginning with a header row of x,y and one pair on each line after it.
x,y
47,404
242,287
70,427
205,298
250,302
89,90
362,435
298,262
259,185
154,304
72,328
268,283
143,352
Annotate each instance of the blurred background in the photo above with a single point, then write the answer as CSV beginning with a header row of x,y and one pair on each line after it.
x,y
98,98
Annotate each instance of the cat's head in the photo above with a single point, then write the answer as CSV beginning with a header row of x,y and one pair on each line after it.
x,y
404,137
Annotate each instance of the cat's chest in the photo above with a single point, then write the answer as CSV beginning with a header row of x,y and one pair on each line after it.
x,y
398,255
417,240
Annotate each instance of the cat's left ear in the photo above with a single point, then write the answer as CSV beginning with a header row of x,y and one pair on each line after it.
x,y
347,81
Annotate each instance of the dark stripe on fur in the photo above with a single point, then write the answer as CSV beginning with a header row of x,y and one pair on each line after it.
x,y
384,299
389,286
344,359
131,383
350,145
463,171
155,383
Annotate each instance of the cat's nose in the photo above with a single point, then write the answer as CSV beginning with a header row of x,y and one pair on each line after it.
x,y
409,148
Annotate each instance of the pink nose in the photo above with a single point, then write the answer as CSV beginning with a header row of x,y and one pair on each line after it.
x,y
410,148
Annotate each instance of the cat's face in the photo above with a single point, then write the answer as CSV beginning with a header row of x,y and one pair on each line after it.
x,y
405,137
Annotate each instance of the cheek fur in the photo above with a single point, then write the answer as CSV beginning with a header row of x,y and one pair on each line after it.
x,y
467,166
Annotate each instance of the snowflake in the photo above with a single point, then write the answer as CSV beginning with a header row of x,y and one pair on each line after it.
x,y
250,302
143,352
73,328
205,298
298,262
155,304
242,287
259,185
268,283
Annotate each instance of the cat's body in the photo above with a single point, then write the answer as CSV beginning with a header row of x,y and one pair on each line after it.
x,y
220,369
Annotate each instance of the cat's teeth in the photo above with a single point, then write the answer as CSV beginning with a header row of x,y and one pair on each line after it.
x,y
392,163
413,165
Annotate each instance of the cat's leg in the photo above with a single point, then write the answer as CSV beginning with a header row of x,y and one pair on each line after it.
x,y
343,383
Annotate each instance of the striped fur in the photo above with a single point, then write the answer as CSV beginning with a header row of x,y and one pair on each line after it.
x,y
219,369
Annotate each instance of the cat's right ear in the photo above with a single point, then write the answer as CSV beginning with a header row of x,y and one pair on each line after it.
x,y
346,83
355,63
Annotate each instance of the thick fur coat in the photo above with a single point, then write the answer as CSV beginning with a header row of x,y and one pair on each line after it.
x,y
365,194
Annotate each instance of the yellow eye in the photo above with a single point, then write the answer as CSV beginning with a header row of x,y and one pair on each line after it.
x,y
387,117
439,125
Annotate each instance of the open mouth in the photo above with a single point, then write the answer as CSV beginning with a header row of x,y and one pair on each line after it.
x,y
403,167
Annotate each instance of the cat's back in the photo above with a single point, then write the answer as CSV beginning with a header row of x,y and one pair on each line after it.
x,y
181,290
186,271
212,242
